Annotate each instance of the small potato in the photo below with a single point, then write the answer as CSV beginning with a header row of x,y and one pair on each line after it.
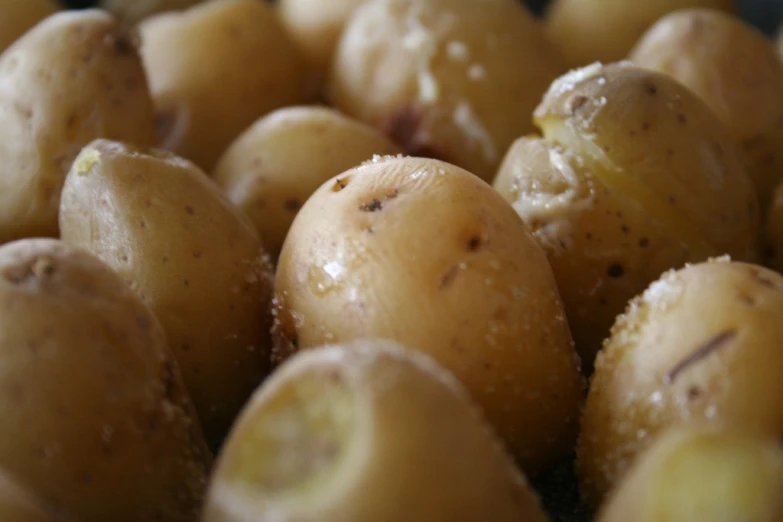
x,y
735,69
424,253
73,78
96,419
19,16
194,259
587,31
635,175
700,474
365,432
274,166
701,344
454,80
19,505
316,27
216,68
132,12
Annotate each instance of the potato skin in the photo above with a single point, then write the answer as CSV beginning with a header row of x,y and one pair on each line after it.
x,y
701,344
385,399
214,69
131,12
611,222
275,165
699,473
423,253
735,69
73,78
19,16
587,31
454,80
19,505
94,405
194,259
773,232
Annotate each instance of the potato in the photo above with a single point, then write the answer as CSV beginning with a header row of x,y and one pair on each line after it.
x,y
586,31
346,434
424,253
216,68
735,69
634,176
696,474
19,16
700,344
316,27
134,11
96,419
194,259
274,166
73,78
773,232
455,80
19,505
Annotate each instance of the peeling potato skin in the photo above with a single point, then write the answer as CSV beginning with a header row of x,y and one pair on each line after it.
x,y
216,68
73,78
423,253
586,31
408,410
603,249
736,70
699,473
701,344
194,259
93,403
19,16
275,165
454,80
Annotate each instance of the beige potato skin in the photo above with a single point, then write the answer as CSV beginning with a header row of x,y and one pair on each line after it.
x,y
316,27
73,78
216,68
96,419
422,252
701,344
21,15
131,12
586,31
414,434
645,178
194,259
736,70
274,166
698,473
454,80
19,505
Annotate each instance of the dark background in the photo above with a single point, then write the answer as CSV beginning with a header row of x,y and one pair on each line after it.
x,y
764,14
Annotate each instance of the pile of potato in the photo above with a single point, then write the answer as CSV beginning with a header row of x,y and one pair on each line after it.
x,y
389,260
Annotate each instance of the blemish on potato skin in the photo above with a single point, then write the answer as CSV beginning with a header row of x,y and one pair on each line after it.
x,y
448,277
373,206
292,205
197,254
615,271
712,345
644,242
340,184
575,103
694,392
651,88
682,118
474,243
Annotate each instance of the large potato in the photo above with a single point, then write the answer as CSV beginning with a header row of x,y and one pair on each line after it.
x,y
346,434
735,69
424,253
96,419
635,175
701,344
216,68
455,80
316,27
134,11
701,474
274,166
197,262
73,78
586,31
18,16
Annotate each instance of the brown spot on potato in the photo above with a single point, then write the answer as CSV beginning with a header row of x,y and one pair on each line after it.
x,y
197,254
189,210
373,206
292,205
448,277
650,88
645,126
682,118
644,242
746,298
709,347
694,392
615,271
576,102
123,43
340,184
474,243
